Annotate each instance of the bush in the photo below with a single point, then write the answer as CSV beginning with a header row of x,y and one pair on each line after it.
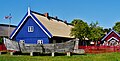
x,y
1,40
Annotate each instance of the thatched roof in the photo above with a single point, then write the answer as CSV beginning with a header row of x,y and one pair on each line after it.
x,y
55,26
4,29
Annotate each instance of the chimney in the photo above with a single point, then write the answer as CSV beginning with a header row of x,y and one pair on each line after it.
x,y
65,21
56,17
46,14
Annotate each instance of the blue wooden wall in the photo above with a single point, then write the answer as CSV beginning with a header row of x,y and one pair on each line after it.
x,y
31,37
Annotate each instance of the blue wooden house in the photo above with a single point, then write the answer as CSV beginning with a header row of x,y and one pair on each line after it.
x,y
37,28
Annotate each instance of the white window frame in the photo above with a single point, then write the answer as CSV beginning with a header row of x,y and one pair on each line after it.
x,y
30,28
39,41
22,41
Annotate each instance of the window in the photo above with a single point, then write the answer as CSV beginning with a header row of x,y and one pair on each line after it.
x,y
40,42
30,28
22,41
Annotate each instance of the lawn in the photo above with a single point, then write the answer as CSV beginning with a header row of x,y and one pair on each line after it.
x,y
87,57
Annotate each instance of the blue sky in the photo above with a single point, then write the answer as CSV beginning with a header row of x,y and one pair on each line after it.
x,y
106,12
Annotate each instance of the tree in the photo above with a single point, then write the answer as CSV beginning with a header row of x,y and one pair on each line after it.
x,y
96,32
80,29
117,27
75,21
106,30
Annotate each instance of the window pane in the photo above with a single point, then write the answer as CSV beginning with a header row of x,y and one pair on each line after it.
x,y
40,42
30,28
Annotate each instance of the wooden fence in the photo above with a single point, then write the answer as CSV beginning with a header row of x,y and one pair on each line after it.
x,y
100,49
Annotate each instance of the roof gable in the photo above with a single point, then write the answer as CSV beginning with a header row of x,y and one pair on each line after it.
x,y
111,34
113,38
23,32
36,21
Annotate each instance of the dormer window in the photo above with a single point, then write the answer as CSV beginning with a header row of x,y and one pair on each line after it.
x,y
30,29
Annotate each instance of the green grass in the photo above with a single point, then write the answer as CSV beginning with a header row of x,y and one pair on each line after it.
x,y
87,57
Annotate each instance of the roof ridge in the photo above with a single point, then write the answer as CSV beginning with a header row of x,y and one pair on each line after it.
x,y
50,17
7,25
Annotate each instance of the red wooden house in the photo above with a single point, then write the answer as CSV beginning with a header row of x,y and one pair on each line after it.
x,y
111,39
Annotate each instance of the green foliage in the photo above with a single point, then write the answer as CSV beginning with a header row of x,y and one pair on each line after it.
x,y
117,27
106,30
80,29
75,21
96,32
1,40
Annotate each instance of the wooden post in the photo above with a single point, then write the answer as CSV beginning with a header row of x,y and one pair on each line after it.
x,y
53,54
31,53
76,46
11,53
68,53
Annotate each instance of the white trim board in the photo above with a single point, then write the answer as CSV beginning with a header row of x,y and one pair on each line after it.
x,y
113,38
110,33
35,22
